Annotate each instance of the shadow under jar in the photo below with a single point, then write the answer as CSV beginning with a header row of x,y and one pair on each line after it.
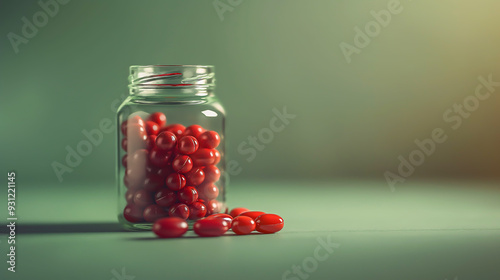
x,y
170,146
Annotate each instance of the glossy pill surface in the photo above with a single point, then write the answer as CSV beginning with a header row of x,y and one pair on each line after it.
x,y
187,145
226,217
211,227
188,195
159,118
153,213
166,141
175,181
180,210
243,225
269,223
252,214
237,211
170,227
209,139
182,163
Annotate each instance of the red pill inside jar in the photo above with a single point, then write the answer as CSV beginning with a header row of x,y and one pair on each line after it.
x,y
152,128
153,182
237,211
226,217
212,174
151,142
170,227
188,195
180,210
213,207
160,158
165,198
269,223
175,181
217,156
124,160
197,210
143,198
203,157
209,139
252,214
182,163
159,118
211,227
243,225
166,141
176,129
129,196
207,191
194,130
187,145
195,177
153,213
133,213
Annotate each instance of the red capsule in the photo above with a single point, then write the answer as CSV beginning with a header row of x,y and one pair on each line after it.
x,y
170,227
217,156
166,141
269,223
194,130
197,210
151,142
213,207
134,176
182,164
209,139
243,225
124,160
195,177
133,213
203,157
138,159
165,198
176,129
180,210
160,158
129,196
252,214
124,144
123,127
164,172
153,213
159,118
208,191
226,217
152,128
212,174
175,181
210,227
237,211
143,198
188,195
187,145
153,182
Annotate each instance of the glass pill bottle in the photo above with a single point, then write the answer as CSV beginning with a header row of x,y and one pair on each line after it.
x,y
170,146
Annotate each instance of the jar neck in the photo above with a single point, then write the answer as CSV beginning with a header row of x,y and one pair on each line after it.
x,y
172,81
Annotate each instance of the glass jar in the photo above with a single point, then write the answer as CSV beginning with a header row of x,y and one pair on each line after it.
x,y
170,146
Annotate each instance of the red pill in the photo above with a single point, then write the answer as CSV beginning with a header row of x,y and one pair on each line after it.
x,y
211,227
203,157
195,177
187,145
151,142
170,227
165,198
175,181
133,213
176,129
252,214
124,144
188,195
180,210
226,217
153,182
164,172
129,196
152,128
237,211
243,225
159,118
212,174
208,191
153,213
194,130
269,223
124,160
182,164
134,176
197,210
209,139
143,198
217,156
166,141
160,158
138,159
123,127
213,207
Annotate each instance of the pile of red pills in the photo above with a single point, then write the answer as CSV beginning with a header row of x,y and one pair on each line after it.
x,y
240,220
170,170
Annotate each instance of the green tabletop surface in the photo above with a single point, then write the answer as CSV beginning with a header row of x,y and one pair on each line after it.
x,y
333,230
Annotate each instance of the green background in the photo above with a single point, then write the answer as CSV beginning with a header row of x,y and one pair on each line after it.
x,y
353,119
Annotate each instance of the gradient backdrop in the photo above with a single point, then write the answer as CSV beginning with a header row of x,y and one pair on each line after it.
x,y
353,119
